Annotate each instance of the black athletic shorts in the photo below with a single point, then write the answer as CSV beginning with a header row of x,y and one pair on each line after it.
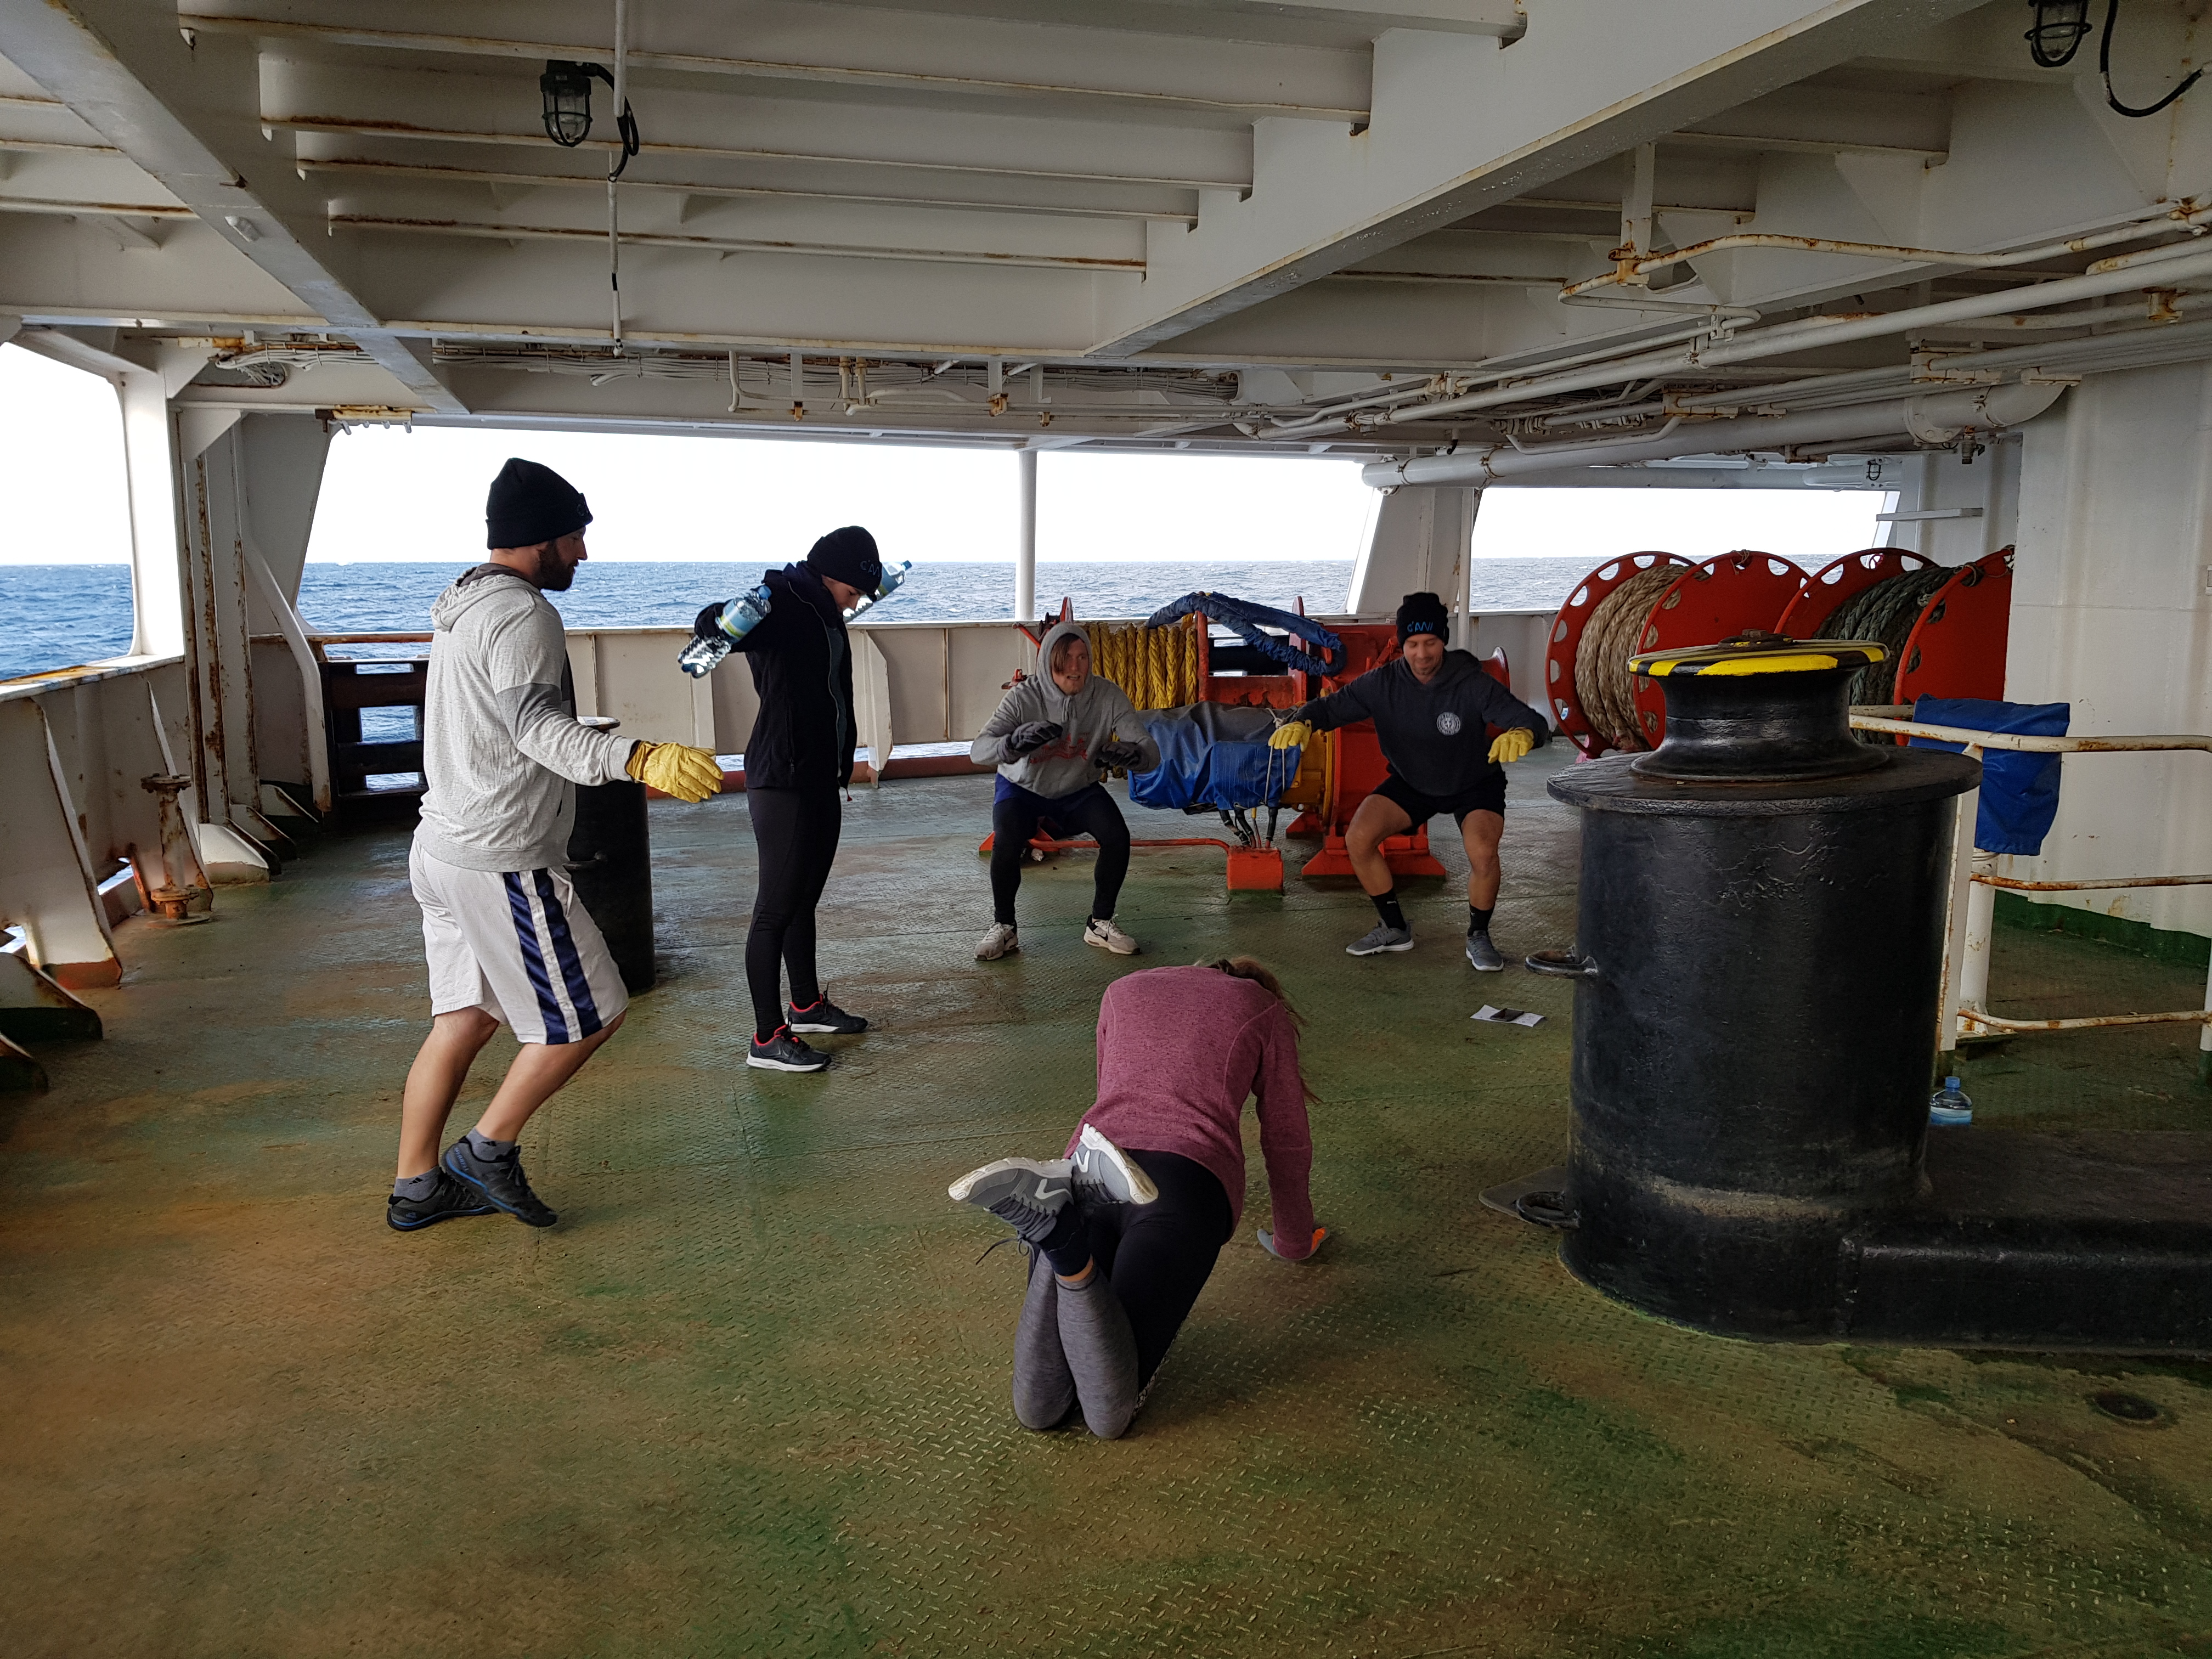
x,y
1487,796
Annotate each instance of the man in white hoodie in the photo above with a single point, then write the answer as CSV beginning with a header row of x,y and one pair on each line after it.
x,y
507,939
1052,736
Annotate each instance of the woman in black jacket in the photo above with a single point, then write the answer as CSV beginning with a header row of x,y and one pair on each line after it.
x,y
798,757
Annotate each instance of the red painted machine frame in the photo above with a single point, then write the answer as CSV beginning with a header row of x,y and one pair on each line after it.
x,y
1712,602
1567,637
1958,648
1826,589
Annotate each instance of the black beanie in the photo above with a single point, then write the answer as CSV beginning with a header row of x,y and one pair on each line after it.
x,y
848,556
532,504
1422,613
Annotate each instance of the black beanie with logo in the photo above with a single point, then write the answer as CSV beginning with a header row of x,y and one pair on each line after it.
x,y
848,556
1422,613
530,505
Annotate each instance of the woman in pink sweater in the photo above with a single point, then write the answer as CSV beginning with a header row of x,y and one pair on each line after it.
x,y
1125,1229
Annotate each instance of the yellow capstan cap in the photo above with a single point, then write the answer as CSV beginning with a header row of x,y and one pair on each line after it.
x,y
1758,653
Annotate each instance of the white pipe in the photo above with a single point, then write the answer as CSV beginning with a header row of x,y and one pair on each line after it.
x,y
1025,553
1816,332
1638,268
614,181
1931,417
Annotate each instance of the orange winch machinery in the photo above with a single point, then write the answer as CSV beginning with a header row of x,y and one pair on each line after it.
x,y
1336,771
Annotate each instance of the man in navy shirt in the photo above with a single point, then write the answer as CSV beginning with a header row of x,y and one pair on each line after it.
x,y
1432,706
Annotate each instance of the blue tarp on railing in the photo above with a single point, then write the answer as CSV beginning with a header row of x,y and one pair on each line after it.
x,y
2020,790
1213,755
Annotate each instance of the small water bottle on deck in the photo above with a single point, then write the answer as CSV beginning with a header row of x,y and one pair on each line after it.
x,y
704,652
1950,1106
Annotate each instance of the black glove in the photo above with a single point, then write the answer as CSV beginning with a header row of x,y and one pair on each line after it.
x,y
1031,736
1119,756
707,625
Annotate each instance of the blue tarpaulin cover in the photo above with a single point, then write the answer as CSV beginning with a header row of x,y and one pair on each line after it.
x,y
1213,755
2019,791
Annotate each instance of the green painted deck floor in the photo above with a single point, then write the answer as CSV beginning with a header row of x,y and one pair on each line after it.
x,y
750,1396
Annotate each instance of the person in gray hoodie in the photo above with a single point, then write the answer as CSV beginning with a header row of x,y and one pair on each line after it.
x,y
507,939
1058,729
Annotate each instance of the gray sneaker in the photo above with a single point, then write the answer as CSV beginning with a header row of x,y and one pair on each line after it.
x,y
1379,937
1104,1172
1482,955
1027,1195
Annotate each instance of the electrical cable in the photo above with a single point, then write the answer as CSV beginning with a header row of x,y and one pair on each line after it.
x,y
1603,684
2104,69
1887,611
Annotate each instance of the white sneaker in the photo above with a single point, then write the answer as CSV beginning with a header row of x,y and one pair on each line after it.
x,y
1001,941
1107,937
1104,1169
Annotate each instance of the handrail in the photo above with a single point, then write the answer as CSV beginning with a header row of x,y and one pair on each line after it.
x,y
1971,914
2024,742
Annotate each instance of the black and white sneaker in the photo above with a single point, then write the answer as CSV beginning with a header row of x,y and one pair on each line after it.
x,y
499,1181
1026,1194
1106,1174
448,1201
824,1015
783,1052
1482,955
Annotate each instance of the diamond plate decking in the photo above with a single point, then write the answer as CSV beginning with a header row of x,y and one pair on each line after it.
x,y
750,1396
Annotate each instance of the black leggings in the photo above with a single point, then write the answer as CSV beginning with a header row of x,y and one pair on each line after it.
x,y
796,832
1014,820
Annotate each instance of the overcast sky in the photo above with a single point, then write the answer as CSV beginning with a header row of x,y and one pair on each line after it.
x,y
392,494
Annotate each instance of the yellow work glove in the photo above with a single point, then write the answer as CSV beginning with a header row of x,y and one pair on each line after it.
x,y
674,769
1511,746
1292,734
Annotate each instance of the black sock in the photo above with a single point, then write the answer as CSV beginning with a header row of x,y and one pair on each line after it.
x,y
1386,906
1068,1245
1478,920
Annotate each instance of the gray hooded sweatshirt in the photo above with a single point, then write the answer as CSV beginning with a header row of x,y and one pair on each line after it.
x,y
1064,766
501,750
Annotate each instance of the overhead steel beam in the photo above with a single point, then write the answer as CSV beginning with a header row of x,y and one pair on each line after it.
x,y
125,72
1460,124
336,34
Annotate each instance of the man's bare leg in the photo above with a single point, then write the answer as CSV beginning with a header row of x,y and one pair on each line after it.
x,y
1379,816
434,1083
536,1074
1479,832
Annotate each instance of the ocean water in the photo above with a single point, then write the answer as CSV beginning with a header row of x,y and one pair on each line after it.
x,y
57,616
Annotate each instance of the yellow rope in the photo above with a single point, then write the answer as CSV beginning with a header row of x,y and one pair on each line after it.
x,y
1157,667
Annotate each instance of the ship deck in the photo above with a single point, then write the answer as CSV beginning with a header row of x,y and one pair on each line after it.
x,y
750,1396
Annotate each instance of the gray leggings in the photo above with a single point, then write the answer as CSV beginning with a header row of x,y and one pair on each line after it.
x,y
1099,1345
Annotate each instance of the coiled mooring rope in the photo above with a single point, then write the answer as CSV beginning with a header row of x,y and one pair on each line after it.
x,y
1886,612
1603,684
1157,667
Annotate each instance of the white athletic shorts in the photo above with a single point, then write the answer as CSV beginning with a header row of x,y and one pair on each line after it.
x,y
517,944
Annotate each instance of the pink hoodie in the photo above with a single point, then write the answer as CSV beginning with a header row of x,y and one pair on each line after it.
x,y
1179,1050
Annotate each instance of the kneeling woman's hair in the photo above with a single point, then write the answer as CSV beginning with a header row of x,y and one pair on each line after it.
x,y
1260,975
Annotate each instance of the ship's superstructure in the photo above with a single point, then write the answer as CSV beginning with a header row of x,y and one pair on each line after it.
x,y
1954,253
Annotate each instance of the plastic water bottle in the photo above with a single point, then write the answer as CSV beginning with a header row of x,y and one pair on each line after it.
x,y
893,576
704,652
1950,1105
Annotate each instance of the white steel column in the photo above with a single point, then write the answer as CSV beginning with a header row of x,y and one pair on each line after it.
x,y
157,596
1025,552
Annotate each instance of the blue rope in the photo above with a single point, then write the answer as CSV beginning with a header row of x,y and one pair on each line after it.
x,y
1244,617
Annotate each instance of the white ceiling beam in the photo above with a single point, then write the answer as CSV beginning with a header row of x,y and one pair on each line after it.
x,y
1034,69
126,72
1460,123
425,173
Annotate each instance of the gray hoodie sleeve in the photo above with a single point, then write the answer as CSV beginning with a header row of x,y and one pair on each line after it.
x,y
527,660
1017,707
